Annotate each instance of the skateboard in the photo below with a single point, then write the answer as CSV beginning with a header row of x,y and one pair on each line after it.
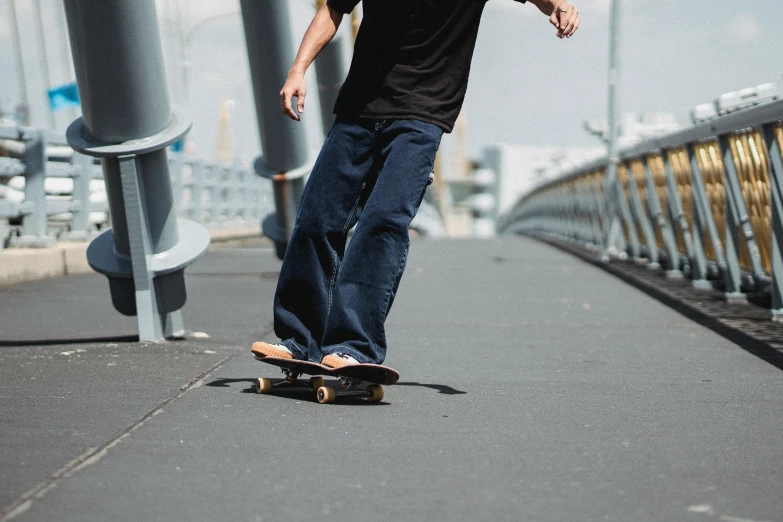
x,y
357,380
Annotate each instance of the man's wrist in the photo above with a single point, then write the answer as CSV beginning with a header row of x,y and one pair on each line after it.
x,y
547,7
553,6
298,69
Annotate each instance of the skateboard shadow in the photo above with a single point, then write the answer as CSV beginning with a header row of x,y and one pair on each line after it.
x,y
226,383
441,388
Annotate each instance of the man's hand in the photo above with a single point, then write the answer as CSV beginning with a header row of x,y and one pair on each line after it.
x,y
294,86
565,18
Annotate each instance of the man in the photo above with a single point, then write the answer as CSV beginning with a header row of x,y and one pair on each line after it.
x,y
405,88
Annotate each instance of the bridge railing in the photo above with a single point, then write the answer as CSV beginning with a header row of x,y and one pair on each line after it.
x,y
57,197
705,202
49,192
221,196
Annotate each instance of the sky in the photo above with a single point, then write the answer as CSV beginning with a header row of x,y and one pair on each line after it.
x,y
527,86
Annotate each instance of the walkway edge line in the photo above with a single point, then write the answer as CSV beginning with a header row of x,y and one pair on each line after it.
x,y
747,341
93,455
19,265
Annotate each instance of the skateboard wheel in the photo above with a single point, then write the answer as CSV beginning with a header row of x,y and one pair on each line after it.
x,y
264,385
316,382
376,393
326,395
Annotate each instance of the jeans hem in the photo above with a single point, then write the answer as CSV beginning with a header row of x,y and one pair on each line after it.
x,y
296,350
353,352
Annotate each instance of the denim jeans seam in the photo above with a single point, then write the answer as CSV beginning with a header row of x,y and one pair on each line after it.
x,y
331,283
334,265
353,211
385,308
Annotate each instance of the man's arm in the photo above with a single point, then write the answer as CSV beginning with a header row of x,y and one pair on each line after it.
x,y
321,31
562,15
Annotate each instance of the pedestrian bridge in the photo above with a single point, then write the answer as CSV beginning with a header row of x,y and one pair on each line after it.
x,y
615,356
534,386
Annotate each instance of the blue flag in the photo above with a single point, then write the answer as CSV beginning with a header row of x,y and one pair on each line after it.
x,y
62,96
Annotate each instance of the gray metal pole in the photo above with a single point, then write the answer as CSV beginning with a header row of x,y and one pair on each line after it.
x,y
673,255
34,225
643,217
39,29
270,52
676,212
20,75
81,228
613,240
704,205
776,202
734,191
128,122
64,55
174,62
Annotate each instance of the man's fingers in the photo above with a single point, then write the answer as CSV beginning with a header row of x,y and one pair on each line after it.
x,y
566,19
561,18
573,16
575,26
285,104
557,15
301,103
555,20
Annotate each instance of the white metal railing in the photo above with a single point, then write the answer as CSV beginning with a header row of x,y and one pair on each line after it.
x,y
49,193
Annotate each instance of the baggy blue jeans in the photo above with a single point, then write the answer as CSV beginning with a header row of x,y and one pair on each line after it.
x,y
331,298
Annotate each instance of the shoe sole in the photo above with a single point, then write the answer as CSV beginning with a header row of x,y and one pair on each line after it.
x,y
267,350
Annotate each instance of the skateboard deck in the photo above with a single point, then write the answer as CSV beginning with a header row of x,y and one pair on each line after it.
x,y
358,380
374,373
299,367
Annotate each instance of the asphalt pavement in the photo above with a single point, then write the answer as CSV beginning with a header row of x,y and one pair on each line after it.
x,y
534,386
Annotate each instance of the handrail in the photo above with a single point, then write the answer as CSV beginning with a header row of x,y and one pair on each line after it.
x,y
47,209
705,202
746,118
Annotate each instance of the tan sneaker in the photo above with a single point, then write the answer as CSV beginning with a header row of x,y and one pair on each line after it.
x,y
338,360
261,350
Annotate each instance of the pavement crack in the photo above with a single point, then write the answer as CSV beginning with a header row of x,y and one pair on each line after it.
x,y
93,455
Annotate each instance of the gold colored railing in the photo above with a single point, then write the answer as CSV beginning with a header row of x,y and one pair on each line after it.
x,y
711,167
637,167
626,179
750,158
658,171
718,172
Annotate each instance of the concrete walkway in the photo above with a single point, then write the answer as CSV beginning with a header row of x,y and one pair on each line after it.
x,y
534,387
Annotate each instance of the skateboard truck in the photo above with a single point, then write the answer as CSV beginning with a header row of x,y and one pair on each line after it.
x,y
350,388
324,394
360,380
264,385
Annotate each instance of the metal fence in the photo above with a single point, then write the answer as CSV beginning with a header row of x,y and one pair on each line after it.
x,y
705,202
54,198
49,192
220,196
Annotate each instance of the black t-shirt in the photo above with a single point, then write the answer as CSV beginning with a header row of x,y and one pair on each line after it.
x,y
411,59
